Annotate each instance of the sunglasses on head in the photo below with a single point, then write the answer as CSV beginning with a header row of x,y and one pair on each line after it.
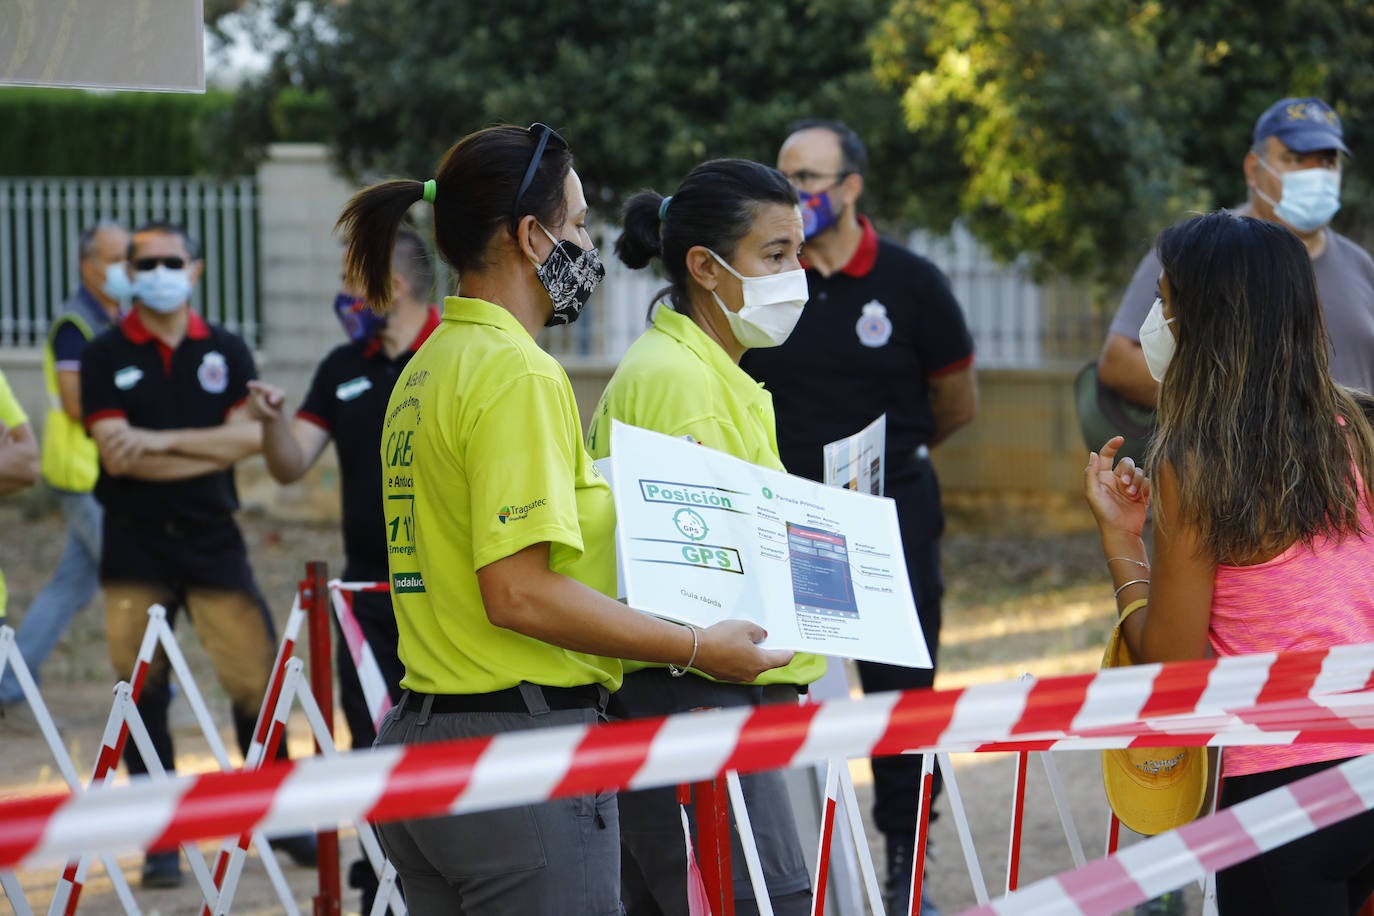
x,y
171,262
545,133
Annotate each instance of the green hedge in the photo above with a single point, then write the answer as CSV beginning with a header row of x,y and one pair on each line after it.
x,y
75,132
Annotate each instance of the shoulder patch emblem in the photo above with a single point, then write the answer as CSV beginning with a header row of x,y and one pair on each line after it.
x,y
127,377
213,373
874,327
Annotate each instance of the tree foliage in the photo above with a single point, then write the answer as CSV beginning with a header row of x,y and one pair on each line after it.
x,y
1065,131
643,89
1081,127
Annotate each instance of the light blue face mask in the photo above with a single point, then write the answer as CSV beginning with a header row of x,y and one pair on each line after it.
x,y
1310,197
163,289
117,285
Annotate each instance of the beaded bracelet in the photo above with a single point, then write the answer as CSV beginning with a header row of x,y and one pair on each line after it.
x,y
1122,586
674,670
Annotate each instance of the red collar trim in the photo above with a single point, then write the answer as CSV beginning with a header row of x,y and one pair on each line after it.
x,y
866,255
137,332
432,321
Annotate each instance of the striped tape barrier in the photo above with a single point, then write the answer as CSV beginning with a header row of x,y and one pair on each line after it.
x,y
375,692
1162,863
524,767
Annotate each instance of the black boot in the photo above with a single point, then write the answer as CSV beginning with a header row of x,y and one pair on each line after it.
x,y
362,878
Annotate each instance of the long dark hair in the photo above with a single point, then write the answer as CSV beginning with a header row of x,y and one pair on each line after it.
x,y
475,197
714,207
1248,412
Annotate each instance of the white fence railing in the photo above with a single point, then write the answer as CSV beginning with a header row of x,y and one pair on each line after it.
x,y
1016,323
41,220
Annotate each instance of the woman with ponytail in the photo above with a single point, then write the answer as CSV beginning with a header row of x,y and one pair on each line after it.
x,y
500,530
728,240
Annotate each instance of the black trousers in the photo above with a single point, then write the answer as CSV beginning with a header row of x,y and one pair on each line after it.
x,y
1327,873
897,779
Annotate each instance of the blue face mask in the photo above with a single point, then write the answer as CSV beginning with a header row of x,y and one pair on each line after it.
x,y
817,214
117,284
359,322
162,289
1309,199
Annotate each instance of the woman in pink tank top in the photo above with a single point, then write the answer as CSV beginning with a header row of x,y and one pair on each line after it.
x,y
1263,539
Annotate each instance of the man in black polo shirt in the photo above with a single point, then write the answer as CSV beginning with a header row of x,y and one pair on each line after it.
x,y
347,402
163,396
881,334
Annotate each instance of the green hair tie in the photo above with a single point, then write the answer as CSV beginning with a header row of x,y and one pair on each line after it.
x,y
663,208
431,189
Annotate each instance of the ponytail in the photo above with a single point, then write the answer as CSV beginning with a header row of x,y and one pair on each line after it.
x,y
369,224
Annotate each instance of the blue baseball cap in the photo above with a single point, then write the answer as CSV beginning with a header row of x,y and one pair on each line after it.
x,y
1302,125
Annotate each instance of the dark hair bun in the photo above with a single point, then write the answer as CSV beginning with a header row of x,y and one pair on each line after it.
x,y
641,241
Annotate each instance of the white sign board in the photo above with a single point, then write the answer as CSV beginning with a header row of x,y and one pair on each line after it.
x,y
702,536
103,44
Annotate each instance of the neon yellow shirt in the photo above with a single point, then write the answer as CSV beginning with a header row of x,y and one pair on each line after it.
x,y
69,458
481,458
12,415
676,380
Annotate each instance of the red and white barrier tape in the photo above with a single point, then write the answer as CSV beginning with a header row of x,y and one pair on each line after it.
x,y
1147,869
375,692
525,767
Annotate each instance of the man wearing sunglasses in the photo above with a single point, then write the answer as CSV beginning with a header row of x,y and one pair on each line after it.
x,y
163,395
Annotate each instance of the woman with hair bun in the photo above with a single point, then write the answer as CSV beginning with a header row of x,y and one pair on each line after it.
x,y
500,530
728,239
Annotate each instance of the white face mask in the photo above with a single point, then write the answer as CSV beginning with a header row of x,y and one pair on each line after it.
x,y
1157,341
1309,199
772,306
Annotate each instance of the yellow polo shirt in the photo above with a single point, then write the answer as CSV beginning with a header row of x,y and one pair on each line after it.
x,y
482,457
12,415
676,380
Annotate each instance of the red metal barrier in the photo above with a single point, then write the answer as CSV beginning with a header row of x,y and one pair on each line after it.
x,y
315,603
712,808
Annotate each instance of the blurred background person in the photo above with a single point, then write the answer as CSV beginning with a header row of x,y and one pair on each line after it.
x,y
1293,172
18,457
163,394
881,334
70,462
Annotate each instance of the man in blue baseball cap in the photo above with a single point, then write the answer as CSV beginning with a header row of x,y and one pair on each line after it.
x,y
1293,172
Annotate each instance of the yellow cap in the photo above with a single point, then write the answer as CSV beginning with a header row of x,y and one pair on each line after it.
x,y
1151,789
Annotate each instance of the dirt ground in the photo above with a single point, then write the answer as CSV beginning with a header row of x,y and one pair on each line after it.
x,y
1014,605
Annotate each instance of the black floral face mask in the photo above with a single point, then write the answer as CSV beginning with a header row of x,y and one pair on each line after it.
x,y
570,274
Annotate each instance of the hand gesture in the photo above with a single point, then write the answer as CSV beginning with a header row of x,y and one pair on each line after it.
x,y
729,651
1118,496
265,402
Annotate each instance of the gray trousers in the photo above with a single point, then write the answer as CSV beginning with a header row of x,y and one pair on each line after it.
x,y
558,858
